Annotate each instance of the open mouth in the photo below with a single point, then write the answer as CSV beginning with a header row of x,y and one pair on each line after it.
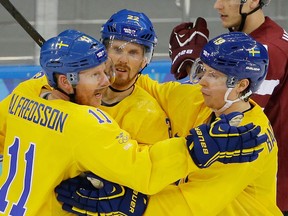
x,y
98,95
121,70
222,16
99,92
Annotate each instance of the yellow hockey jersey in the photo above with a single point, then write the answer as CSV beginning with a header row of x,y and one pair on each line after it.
x,y
245,189
181,101
141,115
46,142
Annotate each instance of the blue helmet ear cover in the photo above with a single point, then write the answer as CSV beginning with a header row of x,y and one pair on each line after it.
x,y
70,53
238,56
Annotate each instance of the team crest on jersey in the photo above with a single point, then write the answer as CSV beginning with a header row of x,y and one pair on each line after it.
x,y
38,75
122,138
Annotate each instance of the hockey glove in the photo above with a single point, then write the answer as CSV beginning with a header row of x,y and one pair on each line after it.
x,y
185,45
110,199
224,143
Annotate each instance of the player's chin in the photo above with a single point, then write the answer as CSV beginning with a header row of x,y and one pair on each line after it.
x,y
96,100
225,23
208,101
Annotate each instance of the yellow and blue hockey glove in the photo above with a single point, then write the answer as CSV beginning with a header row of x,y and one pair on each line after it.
x,y
80,197
225,143
67,188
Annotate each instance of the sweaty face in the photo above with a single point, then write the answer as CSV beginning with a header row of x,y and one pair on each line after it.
x,y
128,59
92,83
229,12
213,87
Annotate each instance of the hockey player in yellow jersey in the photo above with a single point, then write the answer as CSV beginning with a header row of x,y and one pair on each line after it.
x,y
231,67
47,141
124,100
228,60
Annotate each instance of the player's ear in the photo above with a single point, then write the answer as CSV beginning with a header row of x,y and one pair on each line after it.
x,y
64,83
254,3
144,63
242,85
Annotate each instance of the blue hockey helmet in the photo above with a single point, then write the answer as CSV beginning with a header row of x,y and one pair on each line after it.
x,y
69,53
238,56
133,27
264,2
261,2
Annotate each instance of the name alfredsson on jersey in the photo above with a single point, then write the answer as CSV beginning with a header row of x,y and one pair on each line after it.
x,y
37,113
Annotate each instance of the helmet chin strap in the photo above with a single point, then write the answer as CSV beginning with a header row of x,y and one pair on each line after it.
x,y
228,103
243,17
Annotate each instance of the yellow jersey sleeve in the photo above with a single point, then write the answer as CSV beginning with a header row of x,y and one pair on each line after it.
x,y
160,91
181,101
227,189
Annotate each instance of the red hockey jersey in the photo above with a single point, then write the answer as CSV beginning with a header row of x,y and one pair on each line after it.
x,y
273,97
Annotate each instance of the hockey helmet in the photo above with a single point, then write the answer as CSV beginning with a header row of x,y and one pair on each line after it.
x,y
133,27
238,56
69,53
